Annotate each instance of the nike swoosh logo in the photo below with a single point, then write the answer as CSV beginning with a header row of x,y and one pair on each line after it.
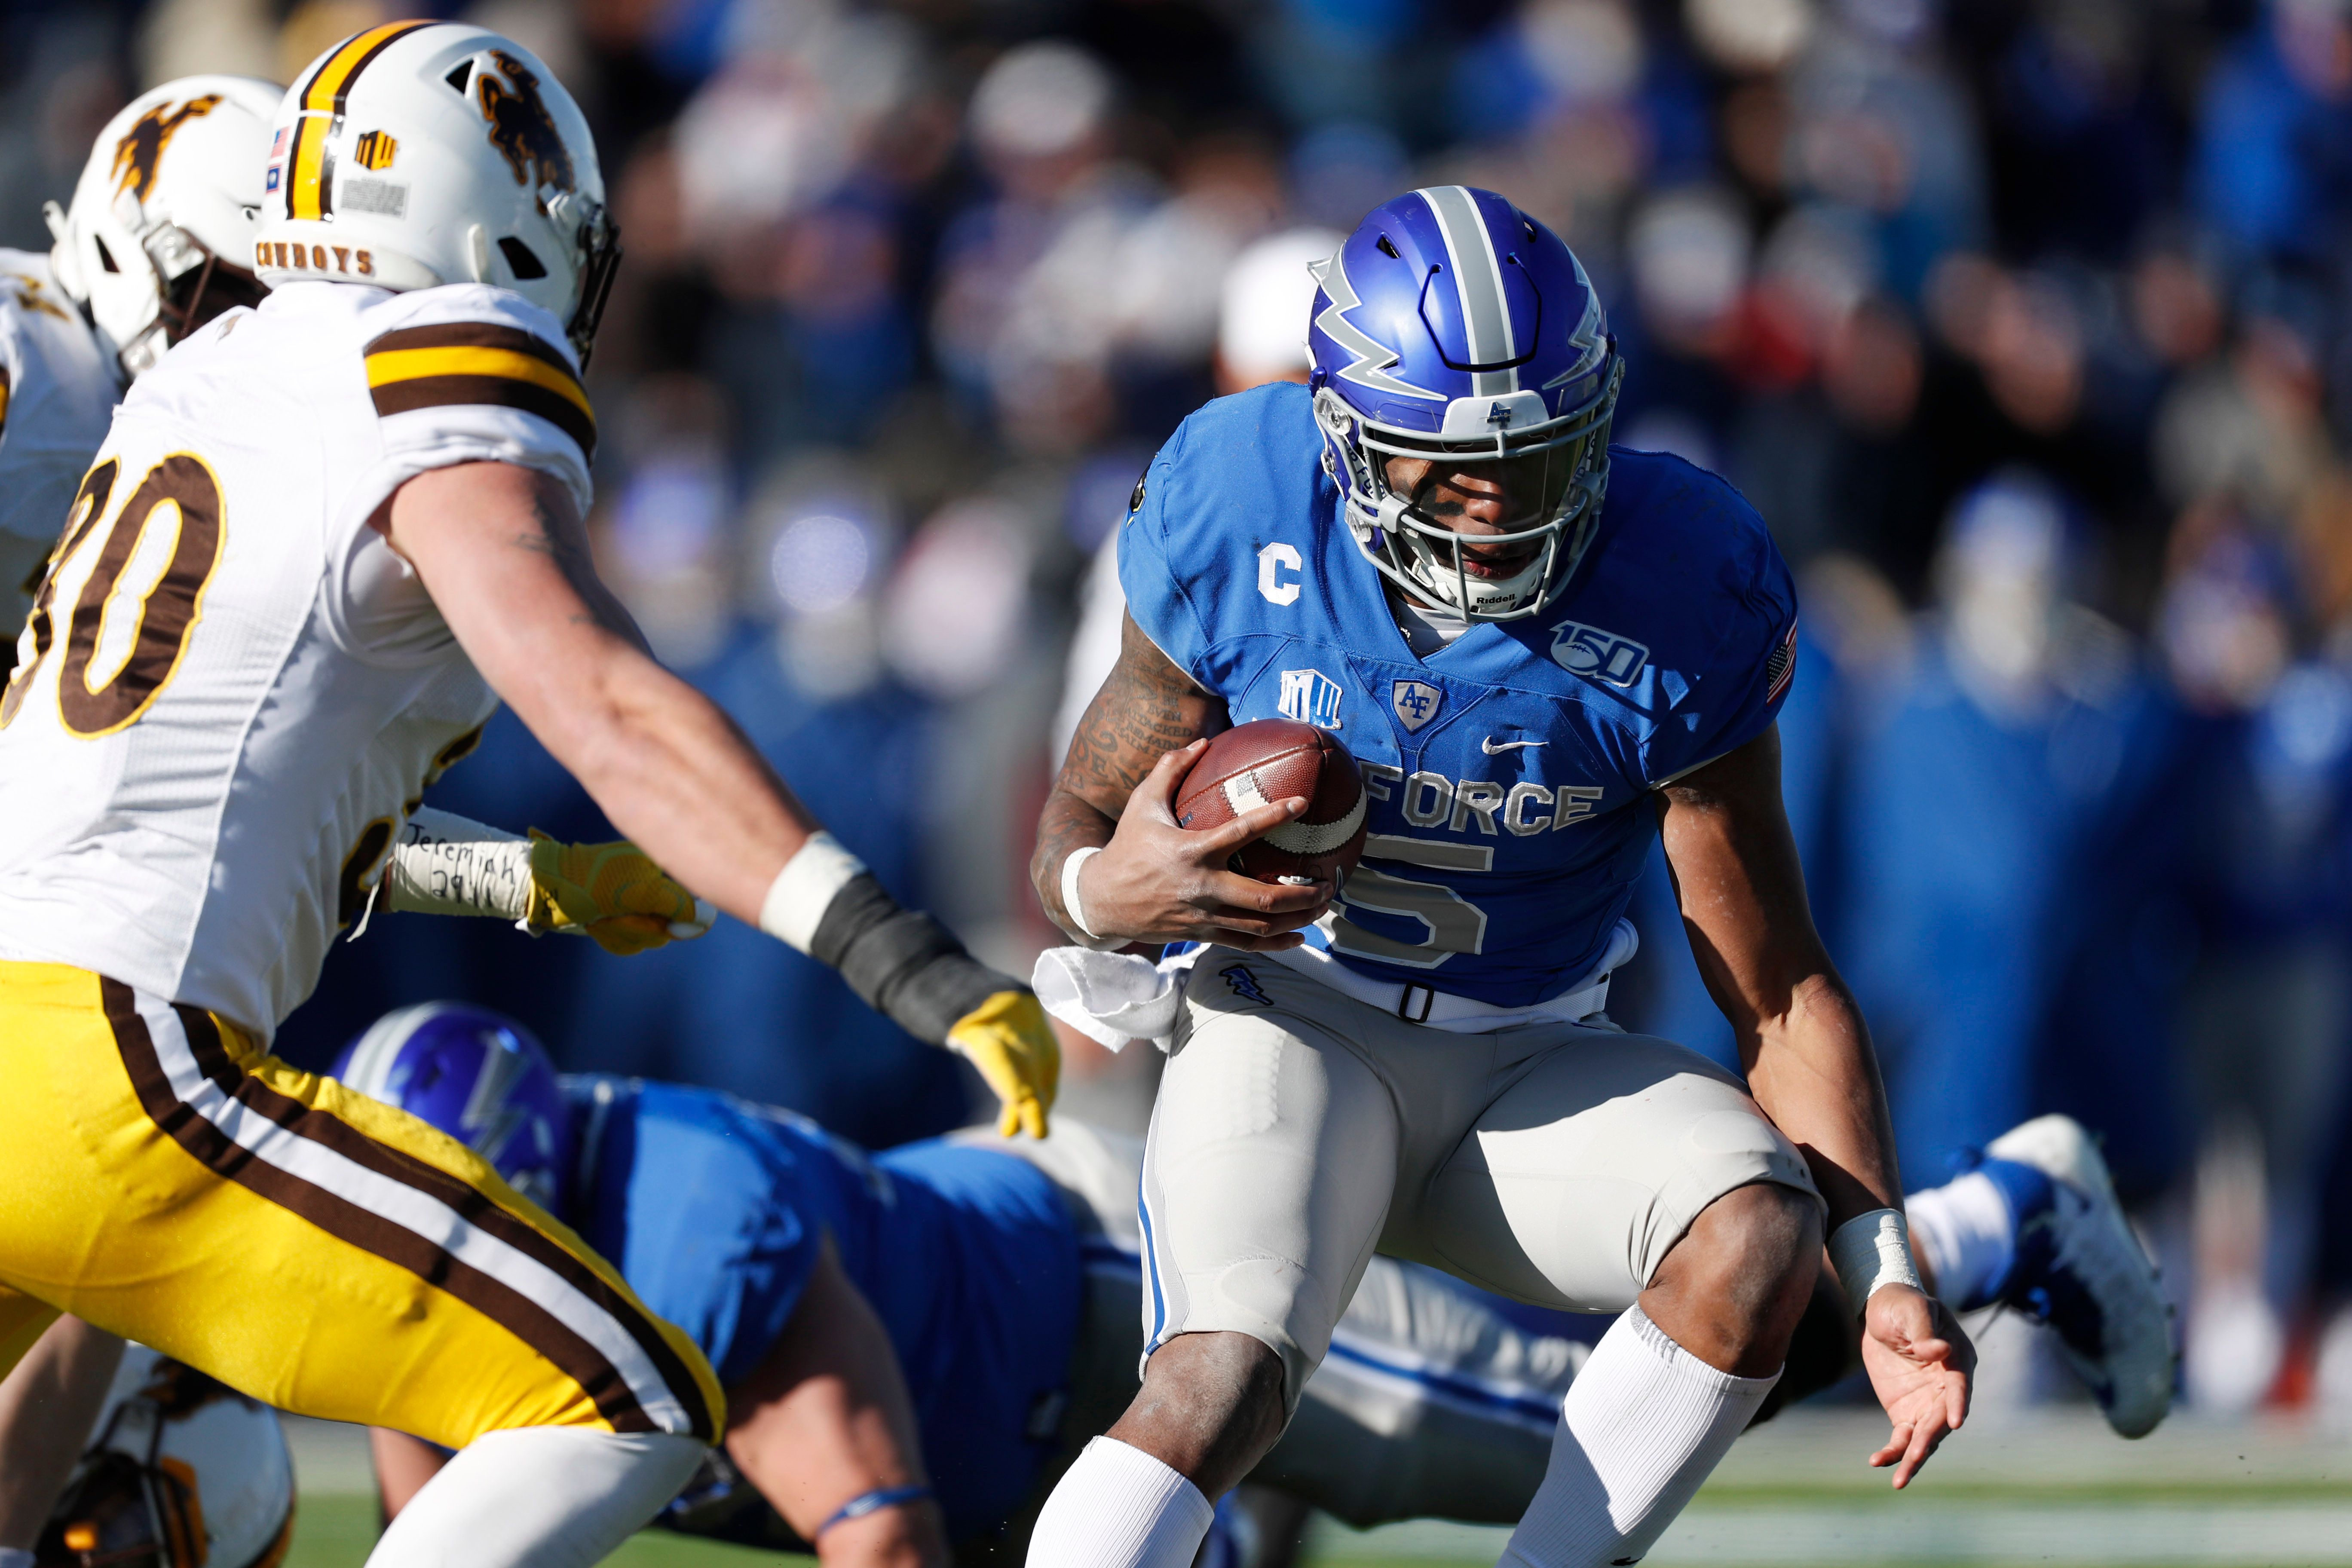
x,y
1488,746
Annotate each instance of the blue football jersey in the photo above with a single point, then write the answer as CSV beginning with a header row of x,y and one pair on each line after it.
x,y
715,1211
1510,774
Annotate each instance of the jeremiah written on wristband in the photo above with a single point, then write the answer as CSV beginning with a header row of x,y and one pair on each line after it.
x,y
1872,1251
864,1503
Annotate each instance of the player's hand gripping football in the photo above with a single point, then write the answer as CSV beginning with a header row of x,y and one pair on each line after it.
x,y
1154,881
1008,1039
611,892
1920,1365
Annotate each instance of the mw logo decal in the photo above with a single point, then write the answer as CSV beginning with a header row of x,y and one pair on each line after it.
x,y
1310,696
374,150
1602,656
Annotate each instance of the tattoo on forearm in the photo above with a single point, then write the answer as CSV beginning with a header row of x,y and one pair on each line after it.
x,y
559,537
1145,708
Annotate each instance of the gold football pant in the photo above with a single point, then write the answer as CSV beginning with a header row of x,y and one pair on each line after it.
x,y
163,1178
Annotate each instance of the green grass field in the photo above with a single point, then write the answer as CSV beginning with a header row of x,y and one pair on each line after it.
x,y
2060,1490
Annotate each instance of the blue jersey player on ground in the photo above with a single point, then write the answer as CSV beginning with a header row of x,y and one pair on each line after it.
x,y
1545,652
913,1341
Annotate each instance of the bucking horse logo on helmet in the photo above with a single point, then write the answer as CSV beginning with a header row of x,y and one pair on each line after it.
x,y
140,151
520,127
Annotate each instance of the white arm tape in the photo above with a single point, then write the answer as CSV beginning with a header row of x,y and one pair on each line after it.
x,y
446,865
1071,903
798,898
1872,1251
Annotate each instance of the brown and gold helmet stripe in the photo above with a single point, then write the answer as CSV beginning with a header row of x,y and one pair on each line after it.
x,y
310,168
478,362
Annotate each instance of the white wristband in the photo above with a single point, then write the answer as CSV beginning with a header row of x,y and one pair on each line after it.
x,y
1872,1251
444,864
804,890
1071,904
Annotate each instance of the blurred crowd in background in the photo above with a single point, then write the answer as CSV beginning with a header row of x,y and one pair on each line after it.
x,y
2027,325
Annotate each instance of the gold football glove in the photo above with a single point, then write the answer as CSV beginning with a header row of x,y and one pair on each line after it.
x,y
1008,1039
611,892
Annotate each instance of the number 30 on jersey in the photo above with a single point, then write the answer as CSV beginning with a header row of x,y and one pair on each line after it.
x,y
128,630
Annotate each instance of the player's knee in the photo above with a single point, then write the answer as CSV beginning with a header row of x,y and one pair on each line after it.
x,y
1211,1405
1753,1254
1772,1236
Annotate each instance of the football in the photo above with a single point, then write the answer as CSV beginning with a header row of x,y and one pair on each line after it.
x,y
1267,760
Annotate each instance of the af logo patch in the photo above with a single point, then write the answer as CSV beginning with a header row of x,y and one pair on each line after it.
x,y
521,128
1416,703
374,150
141,151
1245,984
1310,696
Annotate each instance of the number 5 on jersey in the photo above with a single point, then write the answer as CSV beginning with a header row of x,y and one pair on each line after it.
x,y
128,630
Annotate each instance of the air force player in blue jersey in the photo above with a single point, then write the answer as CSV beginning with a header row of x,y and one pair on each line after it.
x,y
1543,651
912,1342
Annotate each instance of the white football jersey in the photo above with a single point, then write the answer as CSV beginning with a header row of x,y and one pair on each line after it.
x,y
231,691
57,394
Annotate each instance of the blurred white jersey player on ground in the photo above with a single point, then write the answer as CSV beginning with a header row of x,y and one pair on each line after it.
x,y
157,242
322,539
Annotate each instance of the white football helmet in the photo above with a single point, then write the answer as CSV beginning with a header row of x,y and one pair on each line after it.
x,y
418,154
181,1472
162,217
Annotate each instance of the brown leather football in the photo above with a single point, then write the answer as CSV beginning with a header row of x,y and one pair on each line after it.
x,y
1267,760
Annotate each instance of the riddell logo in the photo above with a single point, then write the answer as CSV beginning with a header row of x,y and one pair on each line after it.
x,y
374,150
521,128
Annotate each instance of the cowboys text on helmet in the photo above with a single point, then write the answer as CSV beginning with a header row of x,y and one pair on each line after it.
x,y
419,154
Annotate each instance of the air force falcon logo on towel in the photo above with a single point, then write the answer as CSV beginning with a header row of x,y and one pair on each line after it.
x,y
1416,702
1310,696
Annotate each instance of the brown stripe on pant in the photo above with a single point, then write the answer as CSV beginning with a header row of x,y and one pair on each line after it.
x,y
358,1226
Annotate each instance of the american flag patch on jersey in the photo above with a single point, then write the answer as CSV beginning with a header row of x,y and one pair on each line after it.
x,y
1782,666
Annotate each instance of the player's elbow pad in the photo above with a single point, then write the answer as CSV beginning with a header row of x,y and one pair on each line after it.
x,y
902,963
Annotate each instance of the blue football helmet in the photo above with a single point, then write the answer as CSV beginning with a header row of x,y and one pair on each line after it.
x,y
478,1076
1452,326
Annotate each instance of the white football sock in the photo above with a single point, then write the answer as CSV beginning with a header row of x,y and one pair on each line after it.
x,y
1966,1235
1645,1423
1119,1508
538,1497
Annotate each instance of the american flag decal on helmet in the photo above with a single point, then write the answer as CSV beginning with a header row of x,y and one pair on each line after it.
x,y
1782,666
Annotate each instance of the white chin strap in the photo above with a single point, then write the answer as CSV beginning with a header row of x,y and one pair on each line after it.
x,y
1419,558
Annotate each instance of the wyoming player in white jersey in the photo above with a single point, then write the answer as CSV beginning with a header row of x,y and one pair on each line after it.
x,y
320,537
163,218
